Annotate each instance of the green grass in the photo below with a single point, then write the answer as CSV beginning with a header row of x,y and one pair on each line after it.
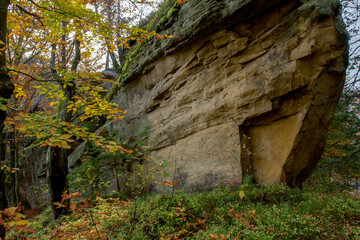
x,y
275,212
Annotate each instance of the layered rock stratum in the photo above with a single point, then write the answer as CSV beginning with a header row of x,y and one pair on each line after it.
x,y
250,88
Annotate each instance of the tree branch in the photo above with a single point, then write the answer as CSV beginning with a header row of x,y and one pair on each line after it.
x,y
28,75
342,159
30,13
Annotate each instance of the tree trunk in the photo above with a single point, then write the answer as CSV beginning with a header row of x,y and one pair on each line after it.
x,y
11,143
109,39
6,90
57,172
14,177
107,60
3,199
6,87
58,165
113,59
118,22
16,160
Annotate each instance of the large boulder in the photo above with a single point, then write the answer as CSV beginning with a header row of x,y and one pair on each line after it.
x,y
250,88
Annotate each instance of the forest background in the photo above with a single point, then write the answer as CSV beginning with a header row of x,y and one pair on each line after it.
x,y
55,53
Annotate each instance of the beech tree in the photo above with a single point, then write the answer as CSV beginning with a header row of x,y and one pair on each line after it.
x,y
66,34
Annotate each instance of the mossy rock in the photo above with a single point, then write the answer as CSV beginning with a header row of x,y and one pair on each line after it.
x,y
163,20
160,13
174,10
132,55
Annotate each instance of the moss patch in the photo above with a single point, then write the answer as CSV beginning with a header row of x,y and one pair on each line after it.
x,y
158,20
154,18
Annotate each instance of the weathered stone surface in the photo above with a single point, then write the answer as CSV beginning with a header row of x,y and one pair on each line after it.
x,y
250,88
33,178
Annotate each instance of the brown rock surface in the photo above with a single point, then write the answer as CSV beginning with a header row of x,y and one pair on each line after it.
x,y
250,88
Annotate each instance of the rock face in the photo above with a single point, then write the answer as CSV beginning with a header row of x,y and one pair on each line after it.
x,y
249,89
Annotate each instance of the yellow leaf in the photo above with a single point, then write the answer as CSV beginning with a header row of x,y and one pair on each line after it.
x,y
65,136
11,224
21,222
20,215
57,204
241,194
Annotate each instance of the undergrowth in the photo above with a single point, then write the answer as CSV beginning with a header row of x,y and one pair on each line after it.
x,y
274,212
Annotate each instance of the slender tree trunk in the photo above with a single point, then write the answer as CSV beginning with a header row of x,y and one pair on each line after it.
x,y
16,160
58,165
14,177
6,90
107,60
118,22
114,61
6,87
108,39
3,199
57,161
63,48
11,143
57,172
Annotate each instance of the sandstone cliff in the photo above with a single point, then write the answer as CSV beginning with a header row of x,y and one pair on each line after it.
x,y
249,89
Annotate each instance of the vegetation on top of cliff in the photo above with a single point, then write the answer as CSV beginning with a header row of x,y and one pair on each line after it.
x,y
153,19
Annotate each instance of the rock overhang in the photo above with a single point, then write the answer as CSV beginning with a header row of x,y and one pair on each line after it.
x,y
249,88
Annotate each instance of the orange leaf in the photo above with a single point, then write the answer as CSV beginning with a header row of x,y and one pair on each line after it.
x,y
73,207
66,196
9,211
181,2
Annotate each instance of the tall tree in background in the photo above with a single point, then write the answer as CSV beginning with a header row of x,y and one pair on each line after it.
x,y
119,13
343,144
351,15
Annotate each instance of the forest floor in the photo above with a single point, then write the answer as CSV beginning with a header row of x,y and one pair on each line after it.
x,y
322,210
